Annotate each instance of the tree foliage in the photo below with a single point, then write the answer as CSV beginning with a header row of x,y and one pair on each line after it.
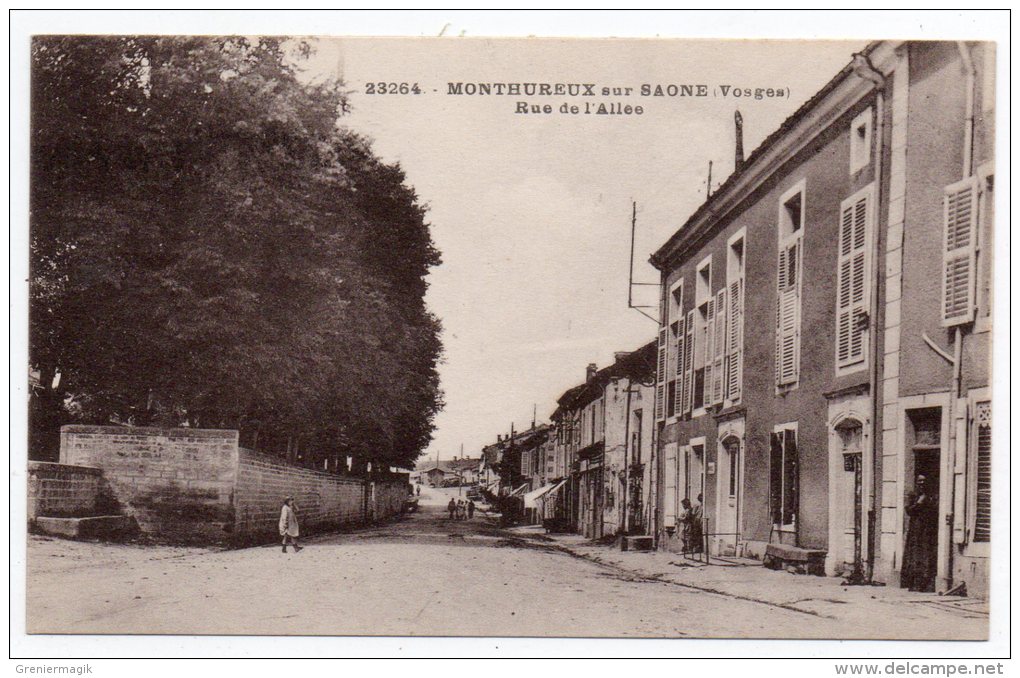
x,y
208,246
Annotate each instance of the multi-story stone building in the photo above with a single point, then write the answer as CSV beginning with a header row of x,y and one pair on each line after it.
x,y
825,332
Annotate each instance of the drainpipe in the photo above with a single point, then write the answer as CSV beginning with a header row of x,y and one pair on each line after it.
x,y
955,387
865,69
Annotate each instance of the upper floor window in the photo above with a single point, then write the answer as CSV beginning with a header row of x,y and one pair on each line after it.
x,y
860,141
852,289
788,285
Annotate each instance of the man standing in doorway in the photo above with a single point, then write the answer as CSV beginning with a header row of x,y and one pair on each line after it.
x,y
920,554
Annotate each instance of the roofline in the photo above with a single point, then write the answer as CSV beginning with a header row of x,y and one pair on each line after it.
x,y
787,140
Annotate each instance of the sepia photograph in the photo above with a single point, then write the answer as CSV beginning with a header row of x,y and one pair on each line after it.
x,y
501,337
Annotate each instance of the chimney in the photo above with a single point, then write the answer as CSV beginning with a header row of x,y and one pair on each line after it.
x,y
738,123
589,373
620,356
499,437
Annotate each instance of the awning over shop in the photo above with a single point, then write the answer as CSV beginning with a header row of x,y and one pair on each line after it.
x,y
518,490
532,498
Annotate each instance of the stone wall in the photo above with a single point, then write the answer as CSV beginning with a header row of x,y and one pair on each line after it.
x,y
389,496
323,500
60,490
198,485
177,483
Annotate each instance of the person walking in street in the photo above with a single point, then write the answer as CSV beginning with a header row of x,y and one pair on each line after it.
x,y
289,524
471,509
452,508
417,489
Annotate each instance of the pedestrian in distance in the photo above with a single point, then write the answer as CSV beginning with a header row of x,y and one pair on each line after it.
x,y
471,509
417,489
452,508
289,524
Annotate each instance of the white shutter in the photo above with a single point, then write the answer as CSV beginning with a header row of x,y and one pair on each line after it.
x,y
681,340
708,352
958,254
669,485
787,312
733,343
852,285
660,386
719,348
688,378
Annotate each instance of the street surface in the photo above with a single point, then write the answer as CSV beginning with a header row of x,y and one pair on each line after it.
x,y
423,575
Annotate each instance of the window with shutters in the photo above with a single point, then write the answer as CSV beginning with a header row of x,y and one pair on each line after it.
x,y
688,377
982,446
959,248
784,476
852,288
733,359
660,384
719,347
674,358
703,354
788,287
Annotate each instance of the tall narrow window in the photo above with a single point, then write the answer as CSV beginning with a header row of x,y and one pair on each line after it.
x,y
783,476
852,299
704,344
735,318
860,141
791,230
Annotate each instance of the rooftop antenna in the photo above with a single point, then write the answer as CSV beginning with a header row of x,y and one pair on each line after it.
x,y
630,287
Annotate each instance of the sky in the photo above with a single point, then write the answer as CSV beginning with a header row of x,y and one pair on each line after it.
x,y
532,212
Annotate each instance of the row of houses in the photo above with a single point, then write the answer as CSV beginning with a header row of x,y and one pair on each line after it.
x,y
824,343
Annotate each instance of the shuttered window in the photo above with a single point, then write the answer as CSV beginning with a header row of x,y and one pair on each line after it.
x,y
852,283
688,377
681,341
783,476
660,386
734,340
788,314
707,357
983,445
719,347
959,249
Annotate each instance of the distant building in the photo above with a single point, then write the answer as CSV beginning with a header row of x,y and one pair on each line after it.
x,y
603,439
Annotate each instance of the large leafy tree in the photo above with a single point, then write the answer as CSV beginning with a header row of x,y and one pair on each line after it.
x,y
208,246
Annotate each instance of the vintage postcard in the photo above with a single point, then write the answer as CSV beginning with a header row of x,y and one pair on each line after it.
x,y
625,338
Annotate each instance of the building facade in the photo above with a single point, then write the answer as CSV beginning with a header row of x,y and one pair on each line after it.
x,y
603,439
824,331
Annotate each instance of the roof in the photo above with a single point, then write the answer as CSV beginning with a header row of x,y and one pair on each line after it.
x,y
451,465
638,365
660,257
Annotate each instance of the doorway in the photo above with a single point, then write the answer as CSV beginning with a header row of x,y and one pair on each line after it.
x,y
921,547
729,489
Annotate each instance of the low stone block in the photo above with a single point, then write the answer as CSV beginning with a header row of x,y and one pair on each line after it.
x,y
93,527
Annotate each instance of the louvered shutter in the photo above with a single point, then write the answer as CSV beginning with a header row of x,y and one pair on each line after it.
x,y
719,347
681,340
959,249
660,386
688,378
733,340
851,297
669,485
787,327
983,500
708,353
